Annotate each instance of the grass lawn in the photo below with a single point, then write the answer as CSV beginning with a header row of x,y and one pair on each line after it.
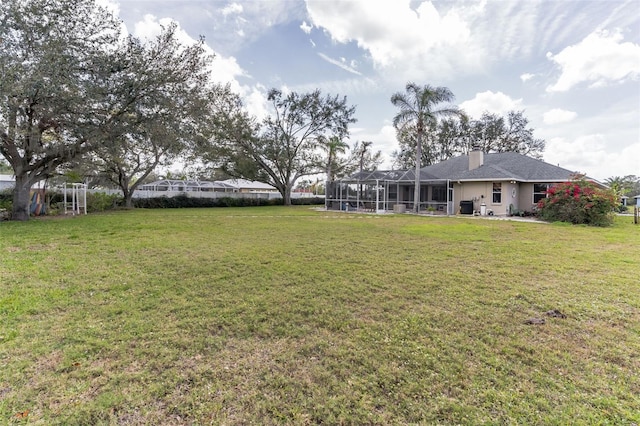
x,y
276,315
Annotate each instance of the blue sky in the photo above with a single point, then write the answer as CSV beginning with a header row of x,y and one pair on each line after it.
x,y
572,66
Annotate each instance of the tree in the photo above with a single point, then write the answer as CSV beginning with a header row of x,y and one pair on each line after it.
x,y
419,107
333,146
507,134
457,136
362,158
284,147
162,89
361,149
442,141
53,68
624,186
5,167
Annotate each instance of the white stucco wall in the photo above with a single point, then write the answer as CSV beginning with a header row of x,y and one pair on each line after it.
x,y
520,195
482,192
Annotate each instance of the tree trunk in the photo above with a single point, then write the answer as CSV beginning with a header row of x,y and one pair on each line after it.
x,y
128,201
20,209
127,193
416,193
127,196
326,185
326,194
287,195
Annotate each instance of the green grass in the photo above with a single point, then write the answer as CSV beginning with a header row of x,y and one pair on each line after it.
x,y
276,315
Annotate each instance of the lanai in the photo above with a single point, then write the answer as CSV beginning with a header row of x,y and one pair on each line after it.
x,y
385,190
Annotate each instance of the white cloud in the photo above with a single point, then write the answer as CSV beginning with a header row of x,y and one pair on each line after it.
x,y
255,101
150,27
384,140
526,77
340,63
581,154
232,9
590,154
306,27
557,115
223,70
494,103
400,40
601,58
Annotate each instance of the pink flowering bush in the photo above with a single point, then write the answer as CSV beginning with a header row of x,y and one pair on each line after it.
x,y
579,202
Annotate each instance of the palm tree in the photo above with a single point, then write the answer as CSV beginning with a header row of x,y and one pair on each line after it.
x,y
419,107
334,146
361,150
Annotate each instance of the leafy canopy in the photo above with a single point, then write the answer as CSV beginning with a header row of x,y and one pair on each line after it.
x,y
286,145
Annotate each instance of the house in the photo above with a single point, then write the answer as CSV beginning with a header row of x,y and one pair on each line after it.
x,y
178,185
484,183
243,185
7,182
229,185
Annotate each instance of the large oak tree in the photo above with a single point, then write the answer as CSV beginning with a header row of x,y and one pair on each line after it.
x,y
286,145
52,73
160,88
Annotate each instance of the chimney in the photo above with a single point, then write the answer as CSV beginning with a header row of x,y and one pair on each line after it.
x,y
476,157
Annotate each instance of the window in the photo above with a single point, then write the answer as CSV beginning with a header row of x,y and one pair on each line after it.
x,y
497,193
540,191
393,192
439,193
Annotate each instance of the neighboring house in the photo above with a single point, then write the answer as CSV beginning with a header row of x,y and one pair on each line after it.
x,y
7,182
229,185
187,186
496,183
243,185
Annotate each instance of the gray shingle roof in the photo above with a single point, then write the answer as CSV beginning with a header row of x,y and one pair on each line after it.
x,y
499,166
496,166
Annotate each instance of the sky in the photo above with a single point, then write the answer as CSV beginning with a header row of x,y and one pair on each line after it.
x,y
572,66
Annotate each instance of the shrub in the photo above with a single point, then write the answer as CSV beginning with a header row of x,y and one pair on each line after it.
x,y
183,201
96,202
6,199
622,208
307,201
579,202
99,202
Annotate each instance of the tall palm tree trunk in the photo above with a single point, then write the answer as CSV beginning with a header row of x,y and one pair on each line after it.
x,y
416,192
